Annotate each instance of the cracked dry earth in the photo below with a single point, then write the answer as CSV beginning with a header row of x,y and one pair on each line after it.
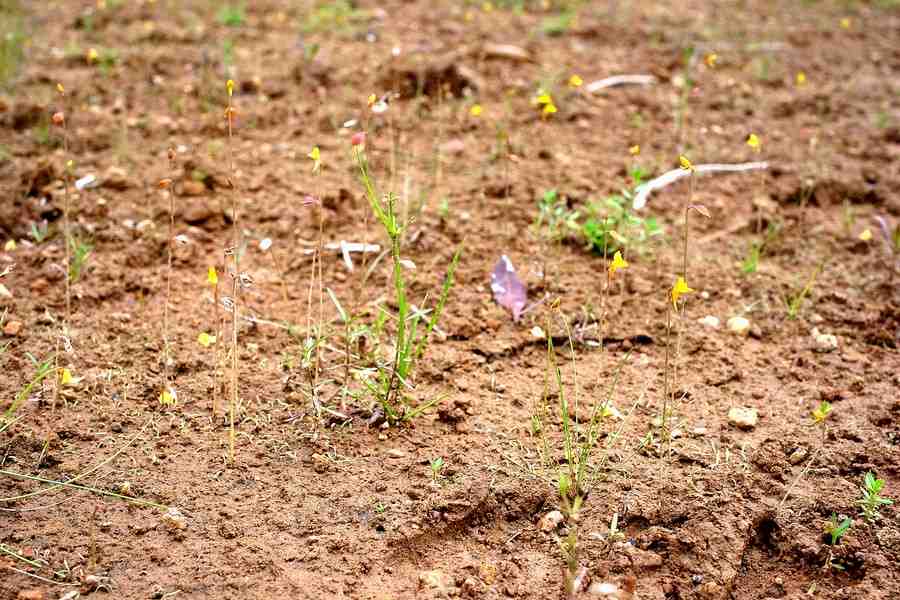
x,y
344,510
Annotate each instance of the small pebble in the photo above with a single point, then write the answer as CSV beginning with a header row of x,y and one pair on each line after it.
x,y
742,417
550,521
13,328
174,520
710,321
738,325
824,342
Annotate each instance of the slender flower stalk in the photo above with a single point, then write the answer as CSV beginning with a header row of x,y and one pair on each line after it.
x,y
236,279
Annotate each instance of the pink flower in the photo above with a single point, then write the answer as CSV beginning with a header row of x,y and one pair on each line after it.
x,y
359,138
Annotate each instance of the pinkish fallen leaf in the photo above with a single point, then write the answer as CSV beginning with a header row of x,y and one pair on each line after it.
x,y
509,291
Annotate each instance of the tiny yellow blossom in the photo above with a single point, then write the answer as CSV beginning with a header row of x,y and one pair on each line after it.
x,y
212,278
229,85
65,377
575,81
316,156
92,55
371,100
753,142
617,263
549,109
845,23
866,235
686,164
10,245
543,98
710,59
204,339
801,78
70,164
168,397
634,150
679,289
60,88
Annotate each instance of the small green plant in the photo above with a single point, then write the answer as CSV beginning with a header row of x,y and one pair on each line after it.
x,y
574,475
795,302
750,264
42,370
612,226
871,501
554,220
556,25
12,40
232,15
39,231
413,326
436,465
81,250
837,529
338,15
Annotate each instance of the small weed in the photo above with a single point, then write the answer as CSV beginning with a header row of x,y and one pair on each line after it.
x,y
232,15
871,501
81,251
750,264
42,370
612,226
436,465
795,303
12,40
39,232
410,343
560,24
836,530
338,15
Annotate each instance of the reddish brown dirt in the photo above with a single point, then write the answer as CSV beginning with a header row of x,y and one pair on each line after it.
x,y
342,510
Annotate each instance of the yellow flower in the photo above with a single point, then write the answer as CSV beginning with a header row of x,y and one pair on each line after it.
x,y
65,377
617,263
753,142
543,98
634,150
845,23
371,100
801,78
487,7
204,339
229,85
168,397
92,55
575,81
10,245
476,110
866,235
549,109
60,88
679,289
686,164
212,278
710,59
316,156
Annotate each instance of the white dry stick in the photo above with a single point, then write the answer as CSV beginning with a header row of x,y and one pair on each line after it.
x,y
617,80
645,189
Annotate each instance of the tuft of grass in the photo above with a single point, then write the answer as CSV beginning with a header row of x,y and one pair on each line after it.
x,y
81,251
12,40
335,16
414,326
232,15
795,302
611,226
42,370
